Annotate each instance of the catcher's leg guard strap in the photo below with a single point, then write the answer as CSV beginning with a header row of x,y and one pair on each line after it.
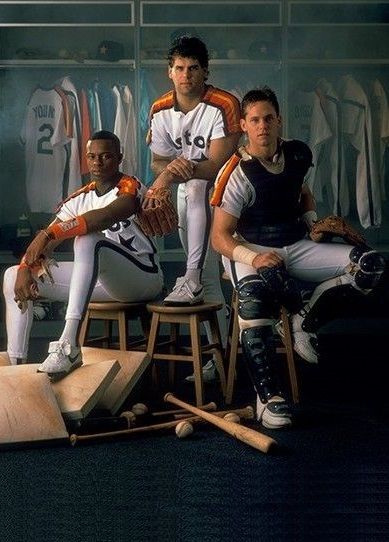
x,y
259,353
367,266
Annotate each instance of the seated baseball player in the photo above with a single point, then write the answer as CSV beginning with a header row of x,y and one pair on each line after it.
x,y
263,211
113,259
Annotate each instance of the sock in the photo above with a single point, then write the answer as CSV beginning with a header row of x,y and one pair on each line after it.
x,y
70,331
194,274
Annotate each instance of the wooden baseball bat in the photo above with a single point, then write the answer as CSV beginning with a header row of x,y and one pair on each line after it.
x,y
247,413
257,440
135,430
208,407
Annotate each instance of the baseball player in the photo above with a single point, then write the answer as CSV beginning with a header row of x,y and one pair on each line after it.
x,y
194,129
113,259
263,209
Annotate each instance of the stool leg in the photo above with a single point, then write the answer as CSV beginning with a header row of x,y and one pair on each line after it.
x,y
197,358
288,342
151,346
174,334
122,326
84,328
216,338
232,348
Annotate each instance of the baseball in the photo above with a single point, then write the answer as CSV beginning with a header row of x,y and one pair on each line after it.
x,y
139,409
232,417
130,417
184,429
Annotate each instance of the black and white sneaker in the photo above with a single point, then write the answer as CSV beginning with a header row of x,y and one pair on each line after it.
x,y
303,343
61,361
185,292
275,414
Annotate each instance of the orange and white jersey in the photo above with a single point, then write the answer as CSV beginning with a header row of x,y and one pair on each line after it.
x,y
126,232
173,133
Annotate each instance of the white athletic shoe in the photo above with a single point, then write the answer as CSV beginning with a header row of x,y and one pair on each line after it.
x,y
275,414
209,372
303,343
62,360
185,292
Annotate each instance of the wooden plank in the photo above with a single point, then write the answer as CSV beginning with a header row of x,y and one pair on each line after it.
x,y
28,409
4,359
132,363
79,392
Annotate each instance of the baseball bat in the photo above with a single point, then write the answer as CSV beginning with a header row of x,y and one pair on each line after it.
x,y
209,407
74,439
247,413
257,440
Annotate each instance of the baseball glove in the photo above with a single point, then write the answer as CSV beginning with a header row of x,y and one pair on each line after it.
x,y
335,226
161,217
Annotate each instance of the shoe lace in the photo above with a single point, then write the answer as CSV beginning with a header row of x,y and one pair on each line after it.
x,y
60,347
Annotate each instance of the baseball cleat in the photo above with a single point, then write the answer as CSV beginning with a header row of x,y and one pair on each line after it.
x,y
303,343
185,292
61,361
275,414
209,373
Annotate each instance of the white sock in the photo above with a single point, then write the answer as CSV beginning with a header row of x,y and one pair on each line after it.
x,y
194,274
70,331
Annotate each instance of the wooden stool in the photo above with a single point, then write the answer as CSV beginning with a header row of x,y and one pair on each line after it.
x,y
192,316
121,313
233,349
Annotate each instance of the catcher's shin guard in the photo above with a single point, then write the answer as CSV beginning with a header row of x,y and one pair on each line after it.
x,y
261,295
259,352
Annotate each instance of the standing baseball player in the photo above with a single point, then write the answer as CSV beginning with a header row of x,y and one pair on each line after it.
x,y
113,259
194,129
263,210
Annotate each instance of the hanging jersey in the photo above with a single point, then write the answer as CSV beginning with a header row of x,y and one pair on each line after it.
x,y
357,125
126,232
380,122
125,128
44,136
174,133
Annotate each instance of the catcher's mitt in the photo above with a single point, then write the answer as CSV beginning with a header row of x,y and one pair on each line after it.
x,y
161,218
335,226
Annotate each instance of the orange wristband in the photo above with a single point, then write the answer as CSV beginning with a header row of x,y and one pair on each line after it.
x,y
68,229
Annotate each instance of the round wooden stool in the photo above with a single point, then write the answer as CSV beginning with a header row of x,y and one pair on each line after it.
x,y
121,313
170,350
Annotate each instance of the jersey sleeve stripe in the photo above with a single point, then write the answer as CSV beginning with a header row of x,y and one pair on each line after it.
x,y
222,180
83,190
229,107
164,102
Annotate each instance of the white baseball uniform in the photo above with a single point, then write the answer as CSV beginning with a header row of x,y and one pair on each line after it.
x,y
118,264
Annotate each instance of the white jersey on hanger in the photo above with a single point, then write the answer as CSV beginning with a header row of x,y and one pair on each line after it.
x,y
380,120
328,152
125,129
357,125
44,137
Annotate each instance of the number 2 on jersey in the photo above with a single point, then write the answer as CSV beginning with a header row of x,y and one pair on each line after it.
x,y
44,143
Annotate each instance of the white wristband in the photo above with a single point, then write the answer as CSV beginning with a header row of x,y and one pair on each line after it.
x,y
244,255
310,217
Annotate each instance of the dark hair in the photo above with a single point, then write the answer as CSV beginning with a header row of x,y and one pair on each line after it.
x,y
261,94
189,47
104,134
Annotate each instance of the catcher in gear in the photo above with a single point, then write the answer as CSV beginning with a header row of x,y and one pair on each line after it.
x,y
263,213
159,217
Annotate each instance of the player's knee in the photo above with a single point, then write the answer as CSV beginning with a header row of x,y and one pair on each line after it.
x,y
196,190
367,267
9,280
254,301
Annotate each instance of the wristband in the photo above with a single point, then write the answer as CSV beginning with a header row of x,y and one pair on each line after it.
x,y
67,229
244,255
23,264
310,217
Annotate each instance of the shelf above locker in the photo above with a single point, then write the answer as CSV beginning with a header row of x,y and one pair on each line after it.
x,y
59,63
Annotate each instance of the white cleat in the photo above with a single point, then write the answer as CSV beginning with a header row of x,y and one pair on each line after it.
x,y
209,373
275,414
61,361
185,292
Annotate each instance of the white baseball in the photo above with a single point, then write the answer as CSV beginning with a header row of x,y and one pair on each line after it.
x,y
232,417
184,429
139,409
130,417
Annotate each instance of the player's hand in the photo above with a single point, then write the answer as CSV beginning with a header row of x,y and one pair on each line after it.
x,y
267,259
182,168
26,288
36,248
